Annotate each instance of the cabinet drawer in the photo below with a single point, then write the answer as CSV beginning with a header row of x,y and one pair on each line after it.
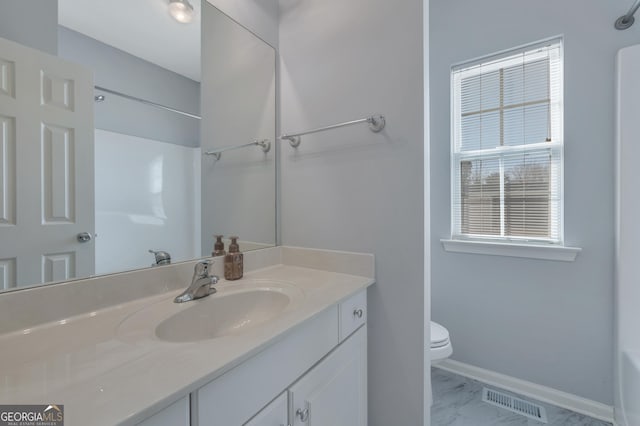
x,y
353,313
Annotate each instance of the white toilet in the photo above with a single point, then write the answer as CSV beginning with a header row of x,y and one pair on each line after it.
x,y
440,344
440,347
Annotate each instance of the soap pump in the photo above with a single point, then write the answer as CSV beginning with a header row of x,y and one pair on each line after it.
x,y
218,247
233,261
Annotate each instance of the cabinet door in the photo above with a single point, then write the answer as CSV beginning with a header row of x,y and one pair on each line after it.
x,y
274,414
335,391
177,414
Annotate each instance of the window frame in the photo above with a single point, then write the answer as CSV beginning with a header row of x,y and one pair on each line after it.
x,y
556,147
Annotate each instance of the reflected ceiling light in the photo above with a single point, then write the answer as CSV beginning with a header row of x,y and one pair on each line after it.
x,y
181,10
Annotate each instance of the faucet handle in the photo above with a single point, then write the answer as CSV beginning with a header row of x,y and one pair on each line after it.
x,y
201,268
214,280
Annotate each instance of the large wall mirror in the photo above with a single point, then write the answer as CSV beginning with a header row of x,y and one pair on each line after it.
x,y
123,130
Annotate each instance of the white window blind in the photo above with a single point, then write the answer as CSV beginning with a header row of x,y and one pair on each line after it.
x,y
507,146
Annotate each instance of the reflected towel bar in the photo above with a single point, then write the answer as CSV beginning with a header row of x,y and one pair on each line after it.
x,y
100,98
376,124
265,144
625,21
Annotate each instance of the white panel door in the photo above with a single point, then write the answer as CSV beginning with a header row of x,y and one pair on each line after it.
x,y
334,392
46,167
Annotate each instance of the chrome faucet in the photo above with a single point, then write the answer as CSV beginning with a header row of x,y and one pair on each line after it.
x,y
201,284
162,257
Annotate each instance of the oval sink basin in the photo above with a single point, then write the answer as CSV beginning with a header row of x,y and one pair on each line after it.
x,y
236,307
222,315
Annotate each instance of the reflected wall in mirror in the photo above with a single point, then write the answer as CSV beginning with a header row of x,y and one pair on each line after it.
x,y
94,172
238,108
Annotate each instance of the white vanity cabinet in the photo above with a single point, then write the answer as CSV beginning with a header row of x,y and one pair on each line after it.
x,y
274,414
334,392
315,375
177,414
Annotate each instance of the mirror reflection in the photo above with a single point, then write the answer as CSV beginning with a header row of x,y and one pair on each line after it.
x,y
106,120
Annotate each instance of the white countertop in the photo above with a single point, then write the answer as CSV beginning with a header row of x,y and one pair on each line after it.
x,y
101,377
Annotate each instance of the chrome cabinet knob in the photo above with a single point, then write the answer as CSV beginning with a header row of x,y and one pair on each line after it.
x,y
358,313
303,414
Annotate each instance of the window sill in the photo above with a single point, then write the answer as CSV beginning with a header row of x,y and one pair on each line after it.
x,y
531,251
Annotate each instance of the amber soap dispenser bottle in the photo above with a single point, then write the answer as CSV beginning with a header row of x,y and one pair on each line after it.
x,y
218,247
233,261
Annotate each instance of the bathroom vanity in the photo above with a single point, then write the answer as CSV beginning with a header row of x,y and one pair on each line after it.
x,y
284,345
333,391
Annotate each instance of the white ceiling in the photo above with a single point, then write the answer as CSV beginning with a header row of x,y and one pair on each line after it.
x,y
142,28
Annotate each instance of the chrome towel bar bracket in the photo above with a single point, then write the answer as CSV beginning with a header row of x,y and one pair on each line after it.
x,y
625,21
376,124
264,144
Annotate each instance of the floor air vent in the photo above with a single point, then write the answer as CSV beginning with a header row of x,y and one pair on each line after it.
x,y
517,405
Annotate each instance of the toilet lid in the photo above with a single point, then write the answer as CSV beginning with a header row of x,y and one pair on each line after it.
x,y
439,335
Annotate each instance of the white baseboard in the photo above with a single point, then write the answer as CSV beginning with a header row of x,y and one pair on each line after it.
x,y
561,399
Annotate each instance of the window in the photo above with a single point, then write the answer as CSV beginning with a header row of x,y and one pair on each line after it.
x,y
507,146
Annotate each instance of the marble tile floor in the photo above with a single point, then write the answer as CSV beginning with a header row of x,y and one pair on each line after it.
x,y
457,401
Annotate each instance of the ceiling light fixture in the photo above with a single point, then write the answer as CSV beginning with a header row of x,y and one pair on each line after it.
x,y
181,10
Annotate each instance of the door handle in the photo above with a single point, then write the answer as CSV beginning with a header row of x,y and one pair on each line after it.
x,y
84,237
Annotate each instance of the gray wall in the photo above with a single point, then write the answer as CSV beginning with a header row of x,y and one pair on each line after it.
x,y
19,23
350,189
543,321
122,72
